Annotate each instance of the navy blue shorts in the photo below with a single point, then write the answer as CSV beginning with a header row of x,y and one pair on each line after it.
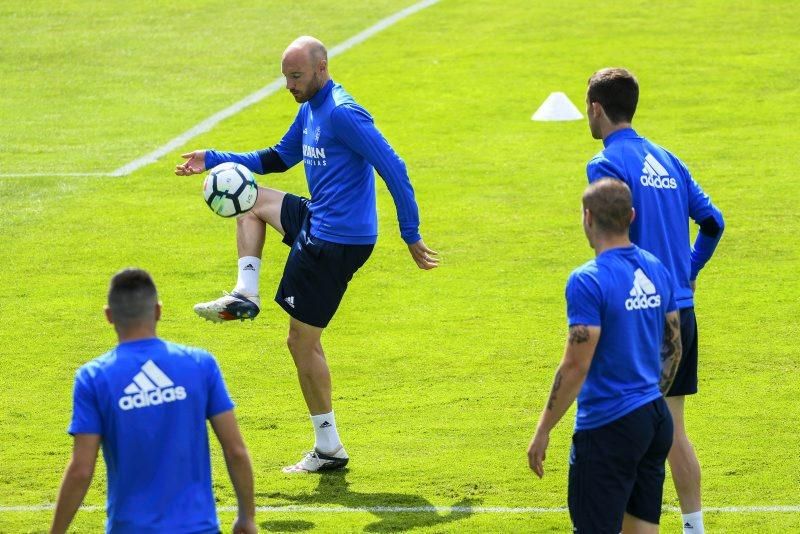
x,y
685,382
618,468
317,271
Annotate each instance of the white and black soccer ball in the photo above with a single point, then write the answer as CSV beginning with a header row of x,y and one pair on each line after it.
x,y
230,189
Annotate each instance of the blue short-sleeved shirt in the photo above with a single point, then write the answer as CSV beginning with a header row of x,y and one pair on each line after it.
x,y
664,196
149,401
627,292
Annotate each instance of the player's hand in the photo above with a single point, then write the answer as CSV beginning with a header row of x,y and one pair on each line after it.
x,y
244,525
195,163
537,451
425,257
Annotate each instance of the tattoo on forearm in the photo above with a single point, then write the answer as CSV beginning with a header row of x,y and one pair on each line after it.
x,y
578,334
670,353
556,386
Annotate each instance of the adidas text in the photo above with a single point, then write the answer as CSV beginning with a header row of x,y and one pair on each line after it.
x,y
658,182
642,302
152,398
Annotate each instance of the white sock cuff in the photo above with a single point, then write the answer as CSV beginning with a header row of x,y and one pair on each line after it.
x,y
247,282
251,260
693,523
321,418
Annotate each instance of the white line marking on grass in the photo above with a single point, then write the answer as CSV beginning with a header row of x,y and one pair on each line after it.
x,y
428,509
53,174
262,93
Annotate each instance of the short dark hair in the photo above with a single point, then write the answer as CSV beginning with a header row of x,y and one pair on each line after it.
x,y
132,297
609,201
617,90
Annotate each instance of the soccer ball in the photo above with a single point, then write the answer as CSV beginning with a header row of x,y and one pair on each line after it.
x,y
230,190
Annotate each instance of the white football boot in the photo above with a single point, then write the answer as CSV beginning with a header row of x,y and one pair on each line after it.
x,y
315,461
229,307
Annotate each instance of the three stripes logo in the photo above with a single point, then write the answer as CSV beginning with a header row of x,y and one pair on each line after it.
x,y
643,294
655,175
150,387
289,301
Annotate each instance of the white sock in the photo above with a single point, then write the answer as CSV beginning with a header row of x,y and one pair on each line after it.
x,y
326,438
247,283
693,523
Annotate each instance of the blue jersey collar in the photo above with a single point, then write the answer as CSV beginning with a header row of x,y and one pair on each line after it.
x,y
619,250
317,100
134,342
625,133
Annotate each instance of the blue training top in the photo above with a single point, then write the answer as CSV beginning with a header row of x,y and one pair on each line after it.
x,y
627,292
339,145
149,401
664,196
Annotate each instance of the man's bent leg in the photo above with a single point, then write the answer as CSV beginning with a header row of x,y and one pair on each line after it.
x,y
244,302
683,460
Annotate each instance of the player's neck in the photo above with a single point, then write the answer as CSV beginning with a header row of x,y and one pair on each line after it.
x,y
603,243
136,333
611,127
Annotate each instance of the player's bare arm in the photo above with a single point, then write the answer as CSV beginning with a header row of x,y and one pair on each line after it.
x,y
239,467
570,375
76,481
671,351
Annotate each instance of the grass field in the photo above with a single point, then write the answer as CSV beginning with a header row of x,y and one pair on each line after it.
x,y
438,376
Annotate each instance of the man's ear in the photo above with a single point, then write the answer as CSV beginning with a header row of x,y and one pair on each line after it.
x,y
109,315
158,310
597,110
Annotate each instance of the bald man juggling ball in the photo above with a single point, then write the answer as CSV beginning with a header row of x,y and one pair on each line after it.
x,y
331,234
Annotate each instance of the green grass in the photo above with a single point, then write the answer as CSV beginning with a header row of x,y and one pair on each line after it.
x,y
438,376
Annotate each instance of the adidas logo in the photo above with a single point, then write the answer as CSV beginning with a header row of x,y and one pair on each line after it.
x,y
289,301
688,526
249,267
643,294
325,424
150,387
655,175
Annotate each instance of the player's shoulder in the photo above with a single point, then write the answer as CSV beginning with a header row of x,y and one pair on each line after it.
x,y
604,164
96,366
340,96
587,273
195,354
345,104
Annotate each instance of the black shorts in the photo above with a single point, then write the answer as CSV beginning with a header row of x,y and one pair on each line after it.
x,y
685,382
618,468
317,271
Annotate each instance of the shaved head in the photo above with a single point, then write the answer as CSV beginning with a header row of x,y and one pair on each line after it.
x,y
309,46
305,66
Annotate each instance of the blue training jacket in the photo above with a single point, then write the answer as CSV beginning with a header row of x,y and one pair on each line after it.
x,y
665,196
339,145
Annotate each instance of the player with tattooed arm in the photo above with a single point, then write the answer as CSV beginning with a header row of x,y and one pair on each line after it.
x,y
620,308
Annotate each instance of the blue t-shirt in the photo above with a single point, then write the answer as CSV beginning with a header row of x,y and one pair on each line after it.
x,y
664,196
149,401
340,147
627,292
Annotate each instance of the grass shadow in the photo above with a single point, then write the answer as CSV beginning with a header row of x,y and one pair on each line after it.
x,y
396,512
